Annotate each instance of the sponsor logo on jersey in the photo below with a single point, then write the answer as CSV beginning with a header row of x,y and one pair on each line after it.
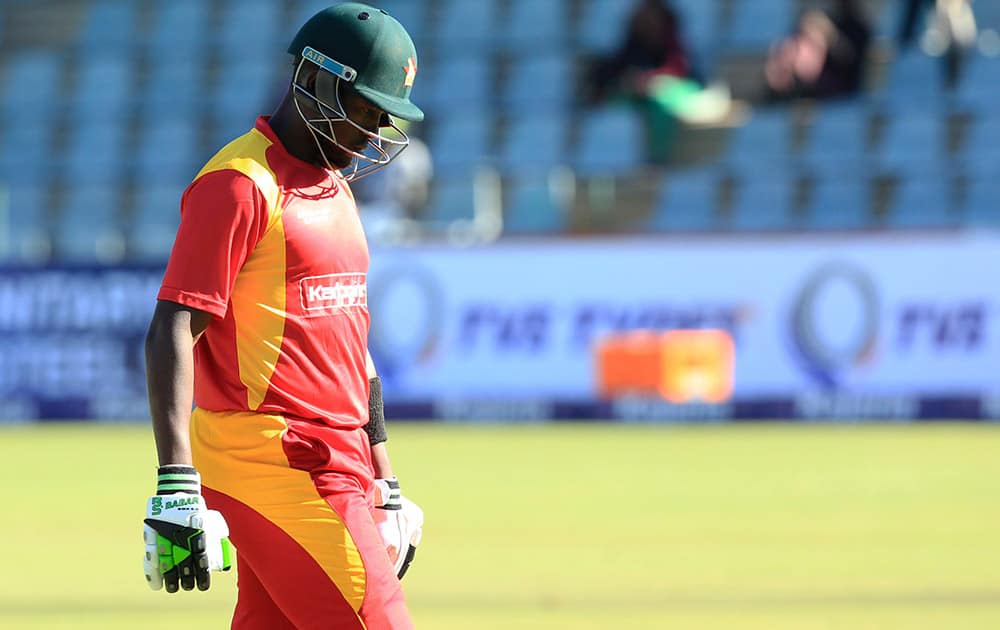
x,y
333,291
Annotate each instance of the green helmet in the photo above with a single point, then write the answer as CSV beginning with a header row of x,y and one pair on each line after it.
x,y
366,47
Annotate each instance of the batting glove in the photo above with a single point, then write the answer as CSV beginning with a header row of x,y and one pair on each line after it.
x,y
400,523
185,541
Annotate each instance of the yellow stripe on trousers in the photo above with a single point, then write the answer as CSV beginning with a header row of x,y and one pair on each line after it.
x,y
240,454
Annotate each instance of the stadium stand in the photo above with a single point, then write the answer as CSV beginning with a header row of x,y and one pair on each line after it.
x,y
115,94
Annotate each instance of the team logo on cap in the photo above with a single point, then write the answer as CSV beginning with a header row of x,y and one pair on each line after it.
x,y
411,72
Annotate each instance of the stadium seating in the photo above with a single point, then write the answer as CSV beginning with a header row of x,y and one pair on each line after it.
x,y
466,26
762,204
534,204
922,203
601,25
460,143
836,142
24,212
110,25
686,202
537,143
982,207
539,27
151,231
839,204
31,85
762,143
754,25
105,87
26,151
88,228
913,143
612,142
540,82
166,83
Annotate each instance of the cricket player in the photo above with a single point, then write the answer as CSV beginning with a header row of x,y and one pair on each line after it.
x,y
262,322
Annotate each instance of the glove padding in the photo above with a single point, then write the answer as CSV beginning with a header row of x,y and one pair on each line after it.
x,y
184,540
400,522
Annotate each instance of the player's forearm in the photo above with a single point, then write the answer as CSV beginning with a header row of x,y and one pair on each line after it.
x,y
170,384
380,461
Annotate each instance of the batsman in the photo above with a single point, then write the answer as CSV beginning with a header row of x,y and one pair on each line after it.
x,y
262,323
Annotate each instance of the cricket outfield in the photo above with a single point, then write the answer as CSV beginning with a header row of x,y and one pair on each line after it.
x,y
585,527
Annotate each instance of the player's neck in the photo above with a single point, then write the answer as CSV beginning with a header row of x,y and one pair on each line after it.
x,y
287,125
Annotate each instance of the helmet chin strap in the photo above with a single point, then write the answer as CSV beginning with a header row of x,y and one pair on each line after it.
x,y
331,110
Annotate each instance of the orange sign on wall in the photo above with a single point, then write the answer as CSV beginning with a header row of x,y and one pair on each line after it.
x,y
678,365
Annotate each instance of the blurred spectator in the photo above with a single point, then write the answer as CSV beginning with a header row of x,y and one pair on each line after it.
x,y
391,198
652,70
652,47
949,33
824,57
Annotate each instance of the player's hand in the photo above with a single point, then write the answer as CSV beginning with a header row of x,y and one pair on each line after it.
x,y
399,521
185,541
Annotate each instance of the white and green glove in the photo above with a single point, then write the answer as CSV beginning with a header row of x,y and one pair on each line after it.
x,y
185,541
400,523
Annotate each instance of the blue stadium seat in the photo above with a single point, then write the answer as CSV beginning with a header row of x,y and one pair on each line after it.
x,y
836,142
921,202
535,204
534,143
472,26
914,82
982,204
540,82
977,87
173,88
248,89
536,26
763,143
412,14
460,143
756,24
699,24
686,202
96,153
32,84
451,199
612,142
26,151
980,155
839,203
913,142
109,25
762,204
154,223
27,227
88,228
105,87
250,25
602,24
456,84
168,152
179,31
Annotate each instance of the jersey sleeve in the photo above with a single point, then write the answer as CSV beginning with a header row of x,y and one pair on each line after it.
x,y
223,216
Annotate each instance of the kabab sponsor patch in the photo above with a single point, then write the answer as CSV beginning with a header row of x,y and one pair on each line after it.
x,y
327,294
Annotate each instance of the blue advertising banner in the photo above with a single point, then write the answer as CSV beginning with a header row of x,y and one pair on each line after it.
x,y
886,327
72,342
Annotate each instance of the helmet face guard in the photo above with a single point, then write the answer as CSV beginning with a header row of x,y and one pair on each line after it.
x,y
329,109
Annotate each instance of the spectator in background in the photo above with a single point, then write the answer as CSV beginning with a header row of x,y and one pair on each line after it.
x,y
824,57
652,47
652,70
950,32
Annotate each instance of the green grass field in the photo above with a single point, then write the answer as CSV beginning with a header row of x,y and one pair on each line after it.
x,y
582,527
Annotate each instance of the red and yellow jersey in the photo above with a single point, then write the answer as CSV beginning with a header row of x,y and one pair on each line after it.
x,y
273,248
